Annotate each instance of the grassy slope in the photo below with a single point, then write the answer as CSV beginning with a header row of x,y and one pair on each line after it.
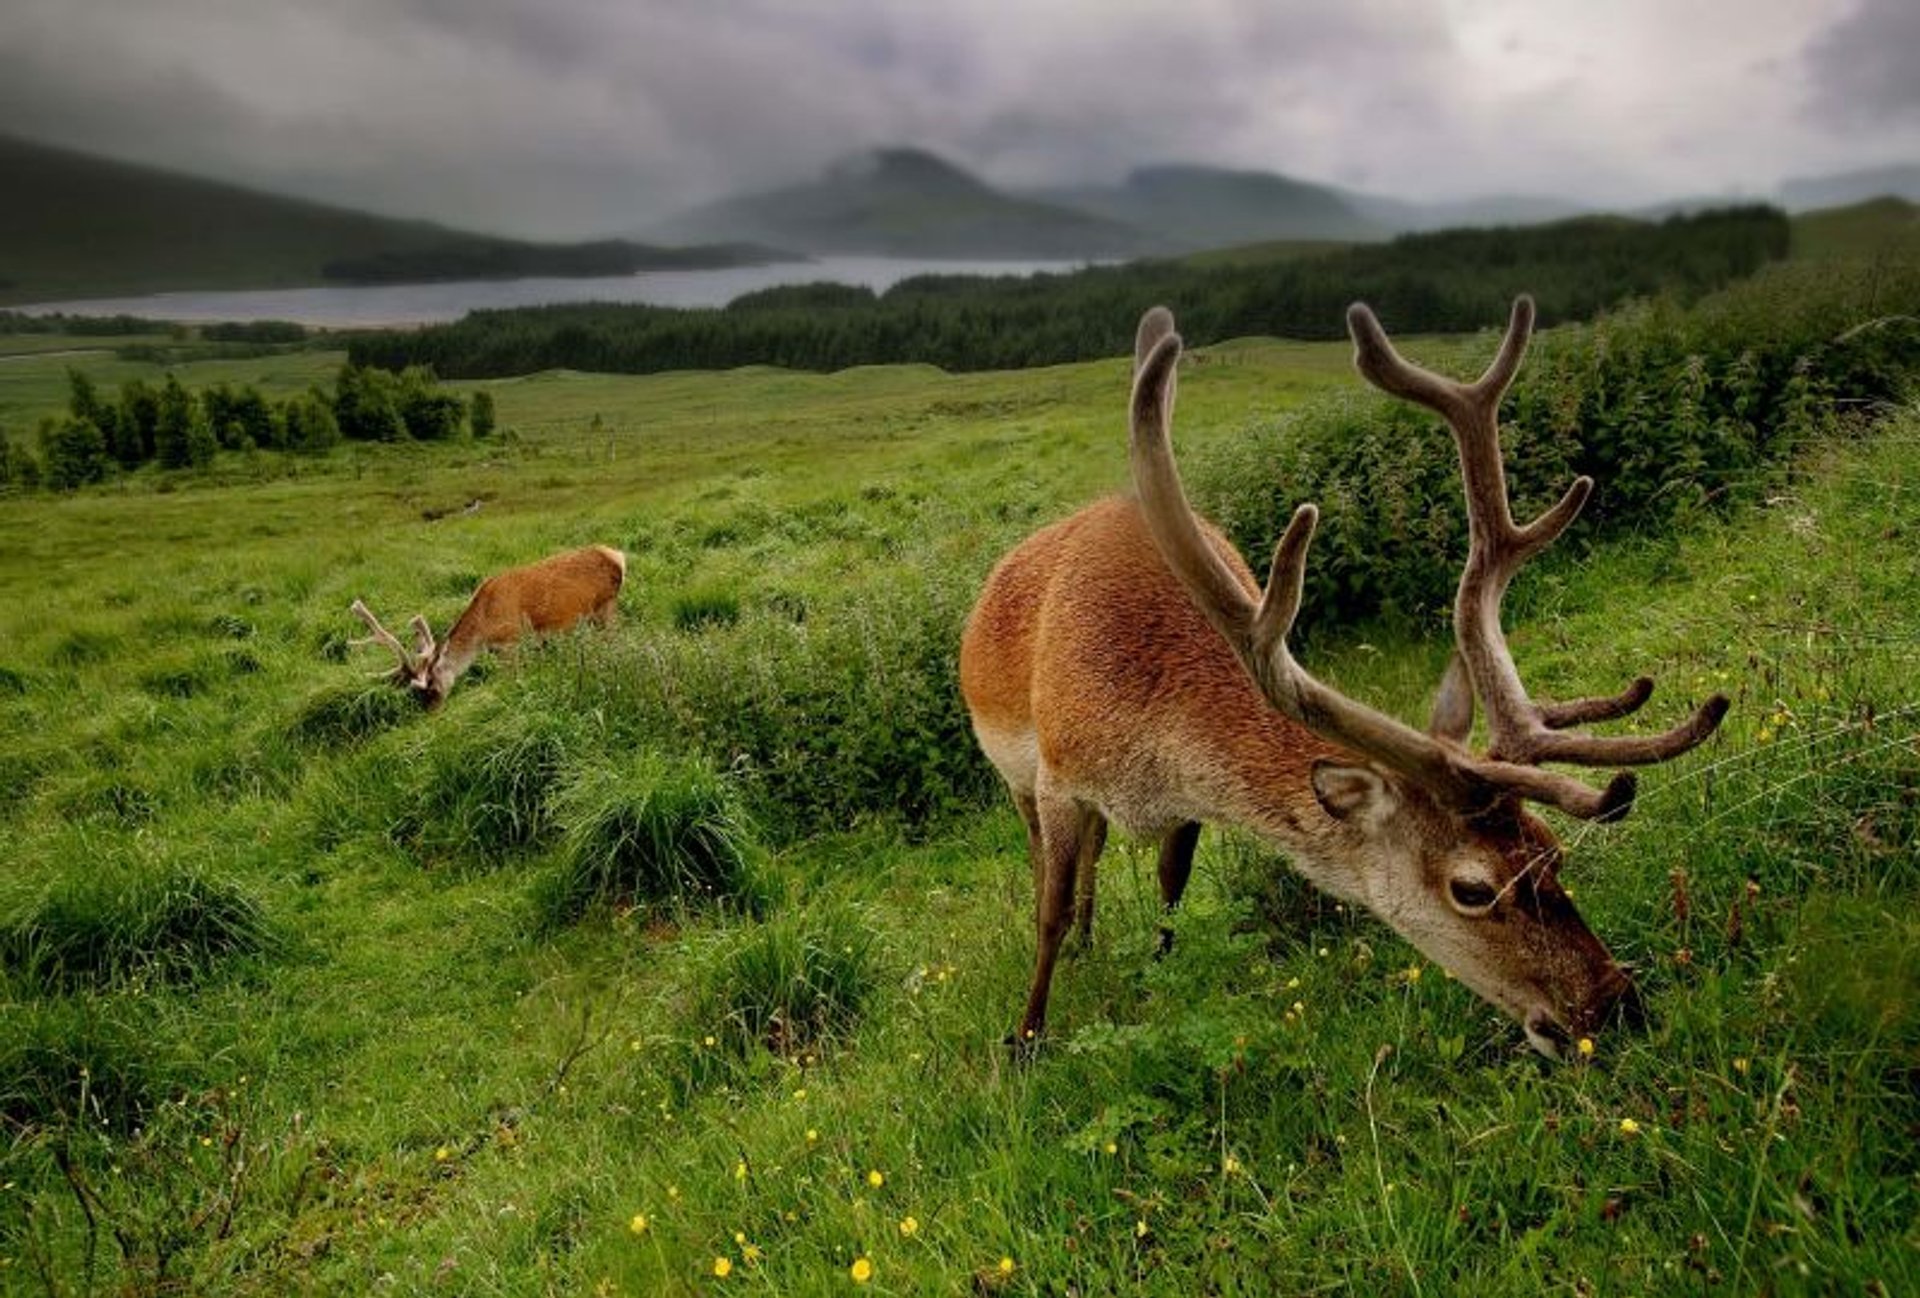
x,y
399,1075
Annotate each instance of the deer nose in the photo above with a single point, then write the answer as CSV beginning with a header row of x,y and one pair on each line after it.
x,y
1618,1005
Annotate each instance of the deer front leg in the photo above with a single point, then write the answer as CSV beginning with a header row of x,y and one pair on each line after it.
x,y
1176,866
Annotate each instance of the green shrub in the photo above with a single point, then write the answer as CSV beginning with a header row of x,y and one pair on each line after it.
x,y
787,985
174,925
347,714
1671,411
649,832
854,713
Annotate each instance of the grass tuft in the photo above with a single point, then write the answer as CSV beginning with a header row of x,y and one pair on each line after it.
x,y
80,1060
342,715
484,791
651,832
174,925
695,610
790,984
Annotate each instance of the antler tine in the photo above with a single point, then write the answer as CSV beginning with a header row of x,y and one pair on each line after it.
x,y
1257,632
422,636
1523,732
380,635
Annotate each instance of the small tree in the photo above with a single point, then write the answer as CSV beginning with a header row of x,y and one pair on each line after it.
x,y
256,416
181,436
18,467
480,413
431,414
75,453
310,426
135,429
366,404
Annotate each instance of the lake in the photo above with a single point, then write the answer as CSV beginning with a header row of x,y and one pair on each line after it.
x,y
374,305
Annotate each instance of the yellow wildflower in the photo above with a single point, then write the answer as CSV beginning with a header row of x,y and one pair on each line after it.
x,y
639,1223
740,1170
708,1040
722,1267
861,1270
876,1178
751,1253
1740,1065
1006,1266
1585,1047
1140,1228
1112,1147
440,1155
909,1226
1628,1127
812,1136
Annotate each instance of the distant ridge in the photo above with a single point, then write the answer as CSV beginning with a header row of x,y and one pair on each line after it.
x,y
1198,207
74,225
907,203
1846,187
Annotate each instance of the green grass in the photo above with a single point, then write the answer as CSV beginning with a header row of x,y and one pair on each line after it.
x,y
413,1083
1882,229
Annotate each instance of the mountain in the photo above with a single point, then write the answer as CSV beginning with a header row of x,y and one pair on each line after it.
x,y
907,203
1211,207
74,225
1847,187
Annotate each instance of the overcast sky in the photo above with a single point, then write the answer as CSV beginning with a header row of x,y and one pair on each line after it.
x,y
572,117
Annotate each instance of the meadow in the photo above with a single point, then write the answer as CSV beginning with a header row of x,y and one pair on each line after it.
x,y
677,958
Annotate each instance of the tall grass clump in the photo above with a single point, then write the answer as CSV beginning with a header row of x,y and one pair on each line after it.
x,y
850,715
648,832
1672,411
340,716
483,787
80,1059
172,924
787,985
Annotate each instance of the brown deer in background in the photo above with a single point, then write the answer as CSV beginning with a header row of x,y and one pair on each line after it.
x,y
1124,666
543,597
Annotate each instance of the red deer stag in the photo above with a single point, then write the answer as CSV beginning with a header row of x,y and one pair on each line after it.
x,y
547,596
1123,666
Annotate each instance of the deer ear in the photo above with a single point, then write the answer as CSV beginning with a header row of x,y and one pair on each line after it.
x,y
1355,793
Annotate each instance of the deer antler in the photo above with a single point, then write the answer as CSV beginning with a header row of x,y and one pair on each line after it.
x,y
382,636
1258,630
1520,729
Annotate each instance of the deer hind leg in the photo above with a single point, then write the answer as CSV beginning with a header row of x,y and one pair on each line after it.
x,y
1030,815
1176,866
1064,827
1092,843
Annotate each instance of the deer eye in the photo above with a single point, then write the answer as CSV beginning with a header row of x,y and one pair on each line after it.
x,y
1472,894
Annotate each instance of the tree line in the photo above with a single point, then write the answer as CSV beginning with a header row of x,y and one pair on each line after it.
x,y
174,428
1439,282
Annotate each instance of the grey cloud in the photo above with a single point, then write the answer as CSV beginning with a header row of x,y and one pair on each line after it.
x,y
1865,68
572,117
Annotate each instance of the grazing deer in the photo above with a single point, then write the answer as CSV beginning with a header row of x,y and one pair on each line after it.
x,y
1123,666
547,596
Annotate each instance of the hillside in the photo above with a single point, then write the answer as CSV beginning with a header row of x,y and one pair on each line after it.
x,y
1875,230
1209,207
75,225
905,202
1802,193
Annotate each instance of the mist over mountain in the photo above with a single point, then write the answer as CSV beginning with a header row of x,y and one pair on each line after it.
x,y
909,203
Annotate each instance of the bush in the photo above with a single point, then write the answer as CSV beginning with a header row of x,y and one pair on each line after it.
x,y
649,832
74,453
1671,411
173,925
852,714
787,985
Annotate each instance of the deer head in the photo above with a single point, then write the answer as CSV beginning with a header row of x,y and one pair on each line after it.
x,y
419,669
1434,838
